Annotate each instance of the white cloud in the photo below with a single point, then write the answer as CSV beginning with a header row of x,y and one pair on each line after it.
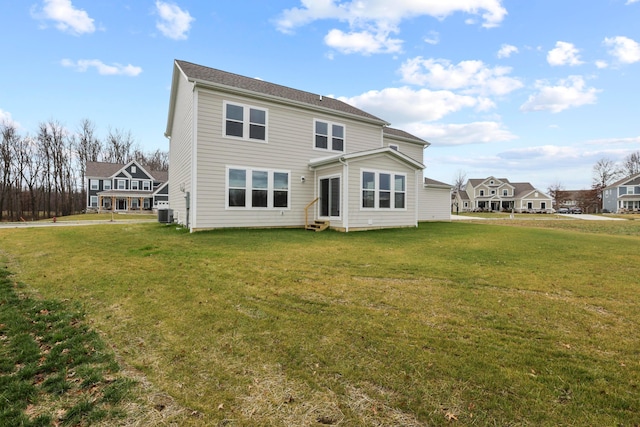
x,y
405,105
632,1
83,65
174,22
6,119
67,18
362,42
564,54
506,50
602,64
380,18
433,38
624,49
470,77
568,93
461,134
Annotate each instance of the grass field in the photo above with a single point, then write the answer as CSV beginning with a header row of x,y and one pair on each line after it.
x,y
473,324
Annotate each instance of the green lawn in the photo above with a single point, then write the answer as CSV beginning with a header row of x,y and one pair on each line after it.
x,y
474,324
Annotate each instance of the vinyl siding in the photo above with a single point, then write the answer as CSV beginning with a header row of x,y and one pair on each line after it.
x,y
415,151
180,149
289,147
360,218
435,204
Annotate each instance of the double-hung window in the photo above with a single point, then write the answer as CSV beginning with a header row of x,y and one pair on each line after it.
x,y
106,184
134,185
95,184
257,188
122,184
245,122
328,136
146,185
383,190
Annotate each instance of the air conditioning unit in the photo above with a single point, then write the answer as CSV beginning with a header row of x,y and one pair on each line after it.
x,y
165,216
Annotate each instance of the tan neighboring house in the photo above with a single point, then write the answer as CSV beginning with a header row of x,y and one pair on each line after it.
x,y
499,194
248,153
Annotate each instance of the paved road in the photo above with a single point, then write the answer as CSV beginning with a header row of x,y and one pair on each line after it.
x,y
29,224
585,217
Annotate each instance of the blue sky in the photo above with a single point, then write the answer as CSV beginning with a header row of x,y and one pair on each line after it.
x,y
535,90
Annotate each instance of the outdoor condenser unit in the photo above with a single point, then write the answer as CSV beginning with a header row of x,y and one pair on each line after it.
x,y
165,216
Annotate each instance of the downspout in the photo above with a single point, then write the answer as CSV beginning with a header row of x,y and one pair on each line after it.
x,y
345,186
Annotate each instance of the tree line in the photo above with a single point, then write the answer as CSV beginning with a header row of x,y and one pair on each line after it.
x,y
43,175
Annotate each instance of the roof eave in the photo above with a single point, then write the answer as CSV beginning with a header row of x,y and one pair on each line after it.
x,y
277,99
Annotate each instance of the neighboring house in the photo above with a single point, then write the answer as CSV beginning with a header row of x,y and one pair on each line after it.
x,y
248,153
493,194
127,187
622,196
435,200
586,200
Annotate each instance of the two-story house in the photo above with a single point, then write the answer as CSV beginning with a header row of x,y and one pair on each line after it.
x,y
499,194
623,195
248,153
117,187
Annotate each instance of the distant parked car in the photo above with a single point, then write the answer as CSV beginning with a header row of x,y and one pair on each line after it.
x,y
575,211
563,210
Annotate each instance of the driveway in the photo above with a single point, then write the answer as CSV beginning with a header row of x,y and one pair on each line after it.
x,y
591,217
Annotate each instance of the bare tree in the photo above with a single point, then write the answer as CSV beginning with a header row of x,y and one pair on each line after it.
x,y
459,180
118,146
631,164
604,173
555,190
9,139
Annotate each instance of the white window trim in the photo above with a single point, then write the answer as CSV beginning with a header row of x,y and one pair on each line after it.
x,y
106,184
133,169
248,189
329,136
93,201
96,182
124,184
376,190
245,122
146,185
135,185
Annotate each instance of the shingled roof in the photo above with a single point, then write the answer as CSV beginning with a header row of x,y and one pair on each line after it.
x,y
205,75
398,133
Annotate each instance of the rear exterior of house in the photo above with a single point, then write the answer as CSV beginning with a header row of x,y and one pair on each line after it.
x,y
247,153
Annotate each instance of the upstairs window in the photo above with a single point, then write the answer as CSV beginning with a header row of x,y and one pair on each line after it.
x,y
146,185
122,184
95,184
245,122
482,192
106,184
505,192
134,185
328,136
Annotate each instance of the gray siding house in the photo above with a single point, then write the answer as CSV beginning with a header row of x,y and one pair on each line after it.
x,y
117,187
623,195
248,153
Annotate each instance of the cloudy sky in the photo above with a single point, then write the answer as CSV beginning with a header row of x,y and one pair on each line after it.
x,y
535,90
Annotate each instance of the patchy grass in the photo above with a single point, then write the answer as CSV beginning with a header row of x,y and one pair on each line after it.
x,y
478,324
